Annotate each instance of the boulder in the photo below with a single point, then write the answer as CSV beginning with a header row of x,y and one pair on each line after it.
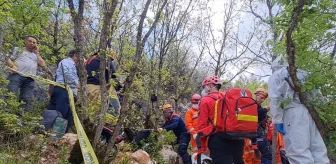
x,y
141,157
169,156
69,139
138,157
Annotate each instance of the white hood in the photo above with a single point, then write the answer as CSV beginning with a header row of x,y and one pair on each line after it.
x,y
278,63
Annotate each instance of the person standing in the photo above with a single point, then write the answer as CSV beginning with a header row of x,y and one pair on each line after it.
x,y
303,142
222,149
25,61
263,145
92,67
66,73
191,118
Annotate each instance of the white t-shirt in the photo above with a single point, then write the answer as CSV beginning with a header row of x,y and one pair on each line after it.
x,y
25,61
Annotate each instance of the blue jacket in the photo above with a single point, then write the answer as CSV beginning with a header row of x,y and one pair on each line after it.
x,y
92,69
176,124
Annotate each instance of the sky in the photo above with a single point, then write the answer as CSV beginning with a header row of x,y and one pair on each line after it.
x,y
247,19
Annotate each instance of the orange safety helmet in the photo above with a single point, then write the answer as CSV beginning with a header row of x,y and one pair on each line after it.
x,y
261,91
167,107
195,98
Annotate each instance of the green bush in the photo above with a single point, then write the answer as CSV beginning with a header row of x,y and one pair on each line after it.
x,y
153,145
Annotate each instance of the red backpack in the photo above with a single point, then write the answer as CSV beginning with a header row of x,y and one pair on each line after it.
x,y
236,113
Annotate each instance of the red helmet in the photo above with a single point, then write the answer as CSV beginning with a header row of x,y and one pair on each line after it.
x,y
211,80
195,98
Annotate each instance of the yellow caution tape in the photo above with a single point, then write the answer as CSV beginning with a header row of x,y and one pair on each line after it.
x,y
37,78
89,155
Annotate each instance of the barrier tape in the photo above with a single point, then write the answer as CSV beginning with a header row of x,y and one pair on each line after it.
x,y
87,151
89,155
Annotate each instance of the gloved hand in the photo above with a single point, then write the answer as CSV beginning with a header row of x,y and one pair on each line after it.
x,y
280,129
194,136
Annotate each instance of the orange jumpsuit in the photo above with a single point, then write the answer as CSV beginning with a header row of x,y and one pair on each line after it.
x,y
249,155
280,145
191,119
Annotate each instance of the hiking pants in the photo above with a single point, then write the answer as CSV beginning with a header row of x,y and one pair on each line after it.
x,y
23,84
225,151
183,142
59,101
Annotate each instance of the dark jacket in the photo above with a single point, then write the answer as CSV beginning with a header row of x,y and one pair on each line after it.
x,y
176,124
262,113
92,68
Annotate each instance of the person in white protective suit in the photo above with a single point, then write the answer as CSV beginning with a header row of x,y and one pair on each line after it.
x,y
303,142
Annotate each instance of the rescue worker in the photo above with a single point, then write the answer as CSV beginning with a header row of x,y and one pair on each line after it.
x,y
92,67
191,118
263,145
222,149
175,123
303,142
249,155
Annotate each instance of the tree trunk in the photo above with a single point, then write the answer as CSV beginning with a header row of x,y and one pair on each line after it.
x,y
296,85
129,80
109,8
78,18
1,37
274,145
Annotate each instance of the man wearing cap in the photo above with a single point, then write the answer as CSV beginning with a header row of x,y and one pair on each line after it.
x,y
175,123
263,145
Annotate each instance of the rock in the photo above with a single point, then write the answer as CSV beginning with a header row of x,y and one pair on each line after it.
x,y
141,157
170,156
69,139
138,157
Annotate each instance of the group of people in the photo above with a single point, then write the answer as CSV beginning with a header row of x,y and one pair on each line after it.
x,y
221,149
302,140
297,132
28,59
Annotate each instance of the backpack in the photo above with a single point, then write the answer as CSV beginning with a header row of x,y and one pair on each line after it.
x,y
236,113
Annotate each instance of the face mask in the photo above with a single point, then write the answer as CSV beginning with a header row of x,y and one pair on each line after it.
x,y
204,93
194,106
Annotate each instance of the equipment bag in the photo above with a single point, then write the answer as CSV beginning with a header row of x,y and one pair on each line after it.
x,y
236,113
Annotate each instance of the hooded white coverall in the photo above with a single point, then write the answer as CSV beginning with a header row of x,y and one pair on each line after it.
x,y
303,142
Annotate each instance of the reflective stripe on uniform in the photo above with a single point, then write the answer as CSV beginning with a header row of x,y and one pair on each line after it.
x,y
248,152
243,117
215,114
